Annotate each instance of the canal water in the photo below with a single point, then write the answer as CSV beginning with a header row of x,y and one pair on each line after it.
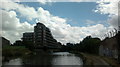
x,y
54,59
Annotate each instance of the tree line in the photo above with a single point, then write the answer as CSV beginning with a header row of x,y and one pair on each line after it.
x,y
87,45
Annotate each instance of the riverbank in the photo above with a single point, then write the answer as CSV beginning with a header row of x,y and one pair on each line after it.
x,y
14,52
113,62
95,60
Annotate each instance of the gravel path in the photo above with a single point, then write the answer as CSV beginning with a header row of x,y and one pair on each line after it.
x,y
95,61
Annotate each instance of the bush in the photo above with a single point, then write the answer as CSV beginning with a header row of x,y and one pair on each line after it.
x,y
14,51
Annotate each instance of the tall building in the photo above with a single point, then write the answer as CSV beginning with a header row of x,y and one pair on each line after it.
x,y
39,34
43,36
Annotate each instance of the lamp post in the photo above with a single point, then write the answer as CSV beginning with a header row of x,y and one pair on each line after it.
x,y
118,38
118,35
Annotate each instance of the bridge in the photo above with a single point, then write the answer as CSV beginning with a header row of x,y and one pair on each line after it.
x,y
47,48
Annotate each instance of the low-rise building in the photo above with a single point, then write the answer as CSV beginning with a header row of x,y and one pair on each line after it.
x,y
18,43
5,42
28,36
28,39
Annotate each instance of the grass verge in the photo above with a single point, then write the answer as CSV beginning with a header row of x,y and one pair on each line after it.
x,y
113,62
14,51
88,59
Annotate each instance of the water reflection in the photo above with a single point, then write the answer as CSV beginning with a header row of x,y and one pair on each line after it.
x,y
17,61
58,58
38,59
65,58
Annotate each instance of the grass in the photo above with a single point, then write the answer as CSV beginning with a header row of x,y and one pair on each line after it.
x,y
113,62
14,51
88,59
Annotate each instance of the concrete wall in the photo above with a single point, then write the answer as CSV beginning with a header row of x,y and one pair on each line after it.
x,y
109,47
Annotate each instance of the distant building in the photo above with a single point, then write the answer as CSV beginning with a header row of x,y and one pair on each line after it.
x,y
18,43
28,38
5,42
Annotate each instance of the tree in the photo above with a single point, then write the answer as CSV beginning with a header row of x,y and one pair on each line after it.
x,y
90,45
69,46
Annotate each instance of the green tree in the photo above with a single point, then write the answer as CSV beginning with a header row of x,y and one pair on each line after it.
x,y
90,45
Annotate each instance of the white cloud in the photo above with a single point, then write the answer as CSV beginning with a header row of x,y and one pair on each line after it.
x,y
108,7
113,21
111,8
82,0
61,30
11,26
25,11
44,1
89,22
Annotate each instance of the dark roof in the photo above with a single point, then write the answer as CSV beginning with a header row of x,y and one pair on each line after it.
x,y
4,38
40,23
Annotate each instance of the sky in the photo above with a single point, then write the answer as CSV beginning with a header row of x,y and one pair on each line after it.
x,y
76,13
69,21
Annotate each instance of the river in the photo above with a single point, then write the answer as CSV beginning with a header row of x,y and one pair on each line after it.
x,y
54,59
